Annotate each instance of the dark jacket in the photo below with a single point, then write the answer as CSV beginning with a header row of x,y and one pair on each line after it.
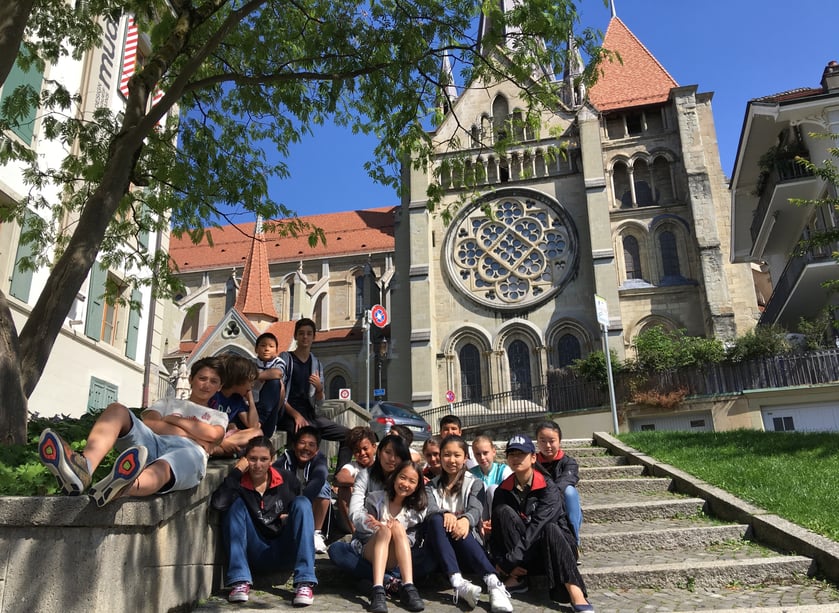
x,y
315,472
265,509
542,505
564,470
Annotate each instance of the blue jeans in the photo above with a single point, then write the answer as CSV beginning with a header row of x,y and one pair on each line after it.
x,y
573,509
293,549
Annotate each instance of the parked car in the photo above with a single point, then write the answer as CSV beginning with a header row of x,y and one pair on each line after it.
x,y
387,414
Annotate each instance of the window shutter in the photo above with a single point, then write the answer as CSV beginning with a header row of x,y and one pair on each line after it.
x,y
22,279
101,394
133,327
25,126
96,302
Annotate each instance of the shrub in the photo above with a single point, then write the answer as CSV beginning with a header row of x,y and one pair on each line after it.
x,y
593,367
656,398
759,342
659,349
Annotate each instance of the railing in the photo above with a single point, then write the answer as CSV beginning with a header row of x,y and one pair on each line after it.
x,y
786,169
565,392
788,280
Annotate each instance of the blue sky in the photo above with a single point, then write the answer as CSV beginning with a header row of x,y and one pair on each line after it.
x,y
738,49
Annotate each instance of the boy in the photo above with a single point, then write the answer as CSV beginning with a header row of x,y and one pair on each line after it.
x,y
303,458
362,441
268,389
303,380
450,425
165,451
236,400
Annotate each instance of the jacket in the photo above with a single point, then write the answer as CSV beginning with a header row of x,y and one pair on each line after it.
x,y
374,505
562,468
315,472
287,366
265,509
542,505
472,493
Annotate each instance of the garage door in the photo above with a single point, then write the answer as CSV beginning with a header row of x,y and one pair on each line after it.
x,y
692,422
823,417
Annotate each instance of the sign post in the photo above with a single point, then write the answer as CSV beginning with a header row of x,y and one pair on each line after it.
x,y
377,315
603,319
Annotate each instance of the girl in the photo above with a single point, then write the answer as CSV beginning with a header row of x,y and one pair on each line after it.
x,y
431,453
526,536
266,524
563,469
393,517
455,510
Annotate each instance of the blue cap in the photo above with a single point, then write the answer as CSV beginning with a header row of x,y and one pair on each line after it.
x,y
521,442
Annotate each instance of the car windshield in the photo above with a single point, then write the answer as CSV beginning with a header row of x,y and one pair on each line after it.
x,y
395,410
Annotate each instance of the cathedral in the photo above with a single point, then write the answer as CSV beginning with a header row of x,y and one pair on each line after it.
x,y
618,194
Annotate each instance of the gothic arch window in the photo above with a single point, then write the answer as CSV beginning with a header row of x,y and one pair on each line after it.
x,y
632,258
318,313
518,354
290,294
337,383
475,133
669,255
191,326
663,179
359,295
500,118
643,184
620,181
568,349
470,372
517,121
229,293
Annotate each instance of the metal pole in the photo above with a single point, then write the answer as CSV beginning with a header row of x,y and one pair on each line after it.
x,y
367,350
612,402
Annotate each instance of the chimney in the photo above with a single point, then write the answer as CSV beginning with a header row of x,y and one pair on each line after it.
x,y
830,78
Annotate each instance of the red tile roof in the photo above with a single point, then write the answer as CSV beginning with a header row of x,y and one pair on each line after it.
x,y
638,81
284,331
792,94
364,231
254,296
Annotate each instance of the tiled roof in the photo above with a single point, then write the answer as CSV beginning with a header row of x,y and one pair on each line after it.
x,y
792,94
364,231
284,331
638,81
254,296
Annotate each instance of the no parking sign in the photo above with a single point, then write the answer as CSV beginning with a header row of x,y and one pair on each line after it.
x,y
379,316
344,393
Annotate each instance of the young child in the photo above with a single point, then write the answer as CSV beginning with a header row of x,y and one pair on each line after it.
x,y
389,531
362,441
491,474
527,537
235,399
266,524
563,469
310,465
455,511
268,389
431,453
450,425
165,451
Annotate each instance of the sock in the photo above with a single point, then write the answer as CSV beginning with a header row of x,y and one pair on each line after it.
x,y
378,586
456,579
89,468
491,580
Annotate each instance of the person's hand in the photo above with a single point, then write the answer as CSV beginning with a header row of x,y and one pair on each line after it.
x,y
486,528
315,380
300,422
461,529
373,523
449,521
518,572
242,464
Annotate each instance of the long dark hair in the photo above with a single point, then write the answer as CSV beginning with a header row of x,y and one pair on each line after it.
x,y
400,448
445,478
416,501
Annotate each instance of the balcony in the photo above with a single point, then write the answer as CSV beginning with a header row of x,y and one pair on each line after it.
x,y
781,179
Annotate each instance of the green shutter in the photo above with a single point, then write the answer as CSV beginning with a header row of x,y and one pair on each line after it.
x,y
100,395
96,302
143,235
25,126
133,327
22,279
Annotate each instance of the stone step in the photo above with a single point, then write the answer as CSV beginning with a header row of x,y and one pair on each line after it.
x,y
626,471
643,509
637,485
629,536
601,460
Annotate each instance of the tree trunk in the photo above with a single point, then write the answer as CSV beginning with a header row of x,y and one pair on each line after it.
x,y
13,406
13,17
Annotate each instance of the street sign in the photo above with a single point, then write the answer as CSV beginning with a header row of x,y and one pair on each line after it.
x,y
344,393
379,316
379,391
449,396
602,311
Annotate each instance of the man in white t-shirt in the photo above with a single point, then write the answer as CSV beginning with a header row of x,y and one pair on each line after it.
x,y
166,450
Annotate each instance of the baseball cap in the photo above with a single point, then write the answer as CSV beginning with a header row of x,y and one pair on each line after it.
x,y
521,442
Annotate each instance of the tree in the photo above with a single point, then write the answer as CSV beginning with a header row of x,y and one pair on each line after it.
x,y
245,74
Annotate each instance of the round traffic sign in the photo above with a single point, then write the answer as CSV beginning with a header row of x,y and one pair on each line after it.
x,y
449,396
379,316
344,393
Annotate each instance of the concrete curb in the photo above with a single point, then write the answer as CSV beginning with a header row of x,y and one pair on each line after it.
x,y
765,527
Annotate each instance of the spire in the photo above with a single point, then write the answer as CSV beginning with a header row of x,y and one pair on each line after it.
x,y
612,4
637,80
509,35
573,88
448,95
254,299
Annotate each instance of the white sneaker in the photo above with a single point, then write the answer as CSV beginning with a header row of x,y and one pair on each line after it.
x,y
499,600
320,544
469,592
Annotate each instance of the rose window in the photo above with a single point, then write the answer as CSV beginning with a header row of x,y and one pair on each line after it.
x,y
519,259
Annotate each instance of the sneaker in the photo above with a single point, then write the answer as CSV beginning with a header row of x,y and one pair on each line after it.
x,y
468,592
516,585
378,600
127,467
410,598
69,467
583,608
320,544
240,592
303,595
499,600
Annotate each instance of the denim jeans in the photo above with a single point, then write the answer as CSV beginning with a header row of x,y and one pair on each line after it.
x,y
293,549
573,509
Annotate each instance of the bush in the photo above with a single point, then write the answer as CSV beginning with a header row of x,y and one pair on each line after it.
x,y
593,367
656,398
759,342
659,349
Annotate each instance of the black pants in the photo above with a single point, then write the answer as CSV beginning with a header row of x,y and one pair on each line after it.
x,y
268,406
329,431
553,554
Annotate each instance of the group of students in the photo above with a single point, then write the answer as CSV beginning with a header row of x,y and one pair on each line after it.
x,y
455,514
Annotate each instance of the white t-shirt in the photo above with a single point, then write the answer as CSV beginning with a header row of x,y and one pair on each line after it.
x,y
190,410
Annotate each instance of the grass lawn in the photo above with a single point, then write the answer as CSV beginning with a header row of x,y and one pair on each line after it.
x,y
792,474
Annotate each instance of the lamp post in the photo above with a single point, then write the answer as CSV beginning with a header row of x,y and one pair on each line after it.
x,y
381,356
